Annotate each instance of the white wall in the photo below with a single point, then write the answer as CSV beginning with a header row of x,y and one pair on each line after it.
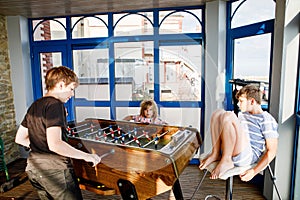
x,y
282,105
214,62
19,53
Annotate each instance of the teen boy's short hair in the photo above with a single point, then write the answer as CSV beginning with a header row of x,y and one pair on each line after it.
x,y
57,74
251,91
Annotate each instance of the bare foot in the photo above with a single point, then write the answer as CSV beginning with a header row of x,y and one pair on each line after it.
x,y
208,160
222,167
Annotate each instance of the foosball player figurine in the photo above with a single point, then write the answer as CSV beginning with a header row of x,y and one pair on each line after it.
x,y
146,135
116,140
119,130
156,140
112,132
92,128
123,138
100,132
129,135
137,141
135,131
70,131
105,136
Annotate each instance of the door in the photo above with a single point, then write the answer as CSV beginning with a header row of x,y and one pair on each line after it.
x,y
43,60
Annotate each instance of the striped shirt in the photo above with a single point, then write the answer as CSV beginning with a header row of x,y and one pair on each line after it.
x,y
259,127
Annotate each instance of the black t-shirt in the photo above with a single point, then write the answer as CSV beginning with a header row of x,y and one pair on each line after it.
x,y
44,113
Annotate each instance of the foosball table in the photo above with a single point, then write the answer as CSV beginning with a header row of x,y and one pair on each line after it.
x,y
139,160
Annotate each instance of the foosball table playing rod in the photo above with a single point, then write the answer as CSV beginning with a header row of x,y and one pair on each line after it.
x,y
78,126
121,136
107,134
112,151
135,139
82,130
155,139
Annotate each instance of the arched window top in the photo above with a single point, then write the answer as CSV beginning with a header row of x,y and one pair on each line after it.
x,y
187,21
127,24
54,29
88,27
251,11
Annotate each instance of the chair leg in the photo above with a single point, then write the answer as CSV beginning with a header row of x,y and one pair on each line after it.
x,y
199,184
273,178
229,188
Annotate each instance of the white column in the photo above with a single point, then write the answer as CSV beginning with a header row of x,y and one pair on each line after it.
x,y
215,49
283,91
19,53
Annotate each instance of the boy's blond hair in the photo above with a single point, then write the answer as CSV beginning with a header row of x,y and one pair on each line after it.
x,y
57,74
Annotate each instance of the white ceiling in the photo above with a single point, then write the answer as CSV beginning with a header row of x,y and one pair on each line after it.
x,y
46,8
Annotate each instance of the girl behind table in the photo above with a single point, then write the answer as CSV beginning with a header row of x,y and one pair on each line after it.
x,y
148,113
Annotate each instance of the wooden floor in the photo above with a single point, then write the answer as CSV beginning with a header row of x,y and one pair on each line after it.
x,y
189,180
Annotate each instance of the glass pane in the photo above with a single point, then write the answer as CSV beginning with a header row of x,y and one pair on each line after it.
x,y
180,73
252,57
133,71
92,91
260,10
180,22
49,29
182,116
125,111
89,27
47,61
92,112
92,68
133,24
252,60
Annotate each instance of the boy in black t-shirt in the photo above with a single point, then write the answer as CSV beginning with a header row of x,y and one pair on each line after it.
x,y
49,166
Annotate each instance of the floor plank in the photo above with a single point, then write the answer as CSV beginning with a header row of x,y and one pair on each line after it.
x,y
189,180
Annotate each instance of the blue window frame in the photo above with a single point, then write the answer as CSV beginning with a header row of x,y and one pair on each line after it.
x,y
249,33
84,42
294,194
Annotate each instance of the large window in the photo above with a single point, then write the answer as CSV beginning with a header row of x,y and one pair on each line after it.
x,y
249,43
261,10
89,27
123,58
54,29
180,72
133,62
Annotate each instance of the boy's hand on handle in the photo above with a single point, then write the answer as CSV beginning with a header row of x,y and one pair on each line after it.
x,y
94,158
